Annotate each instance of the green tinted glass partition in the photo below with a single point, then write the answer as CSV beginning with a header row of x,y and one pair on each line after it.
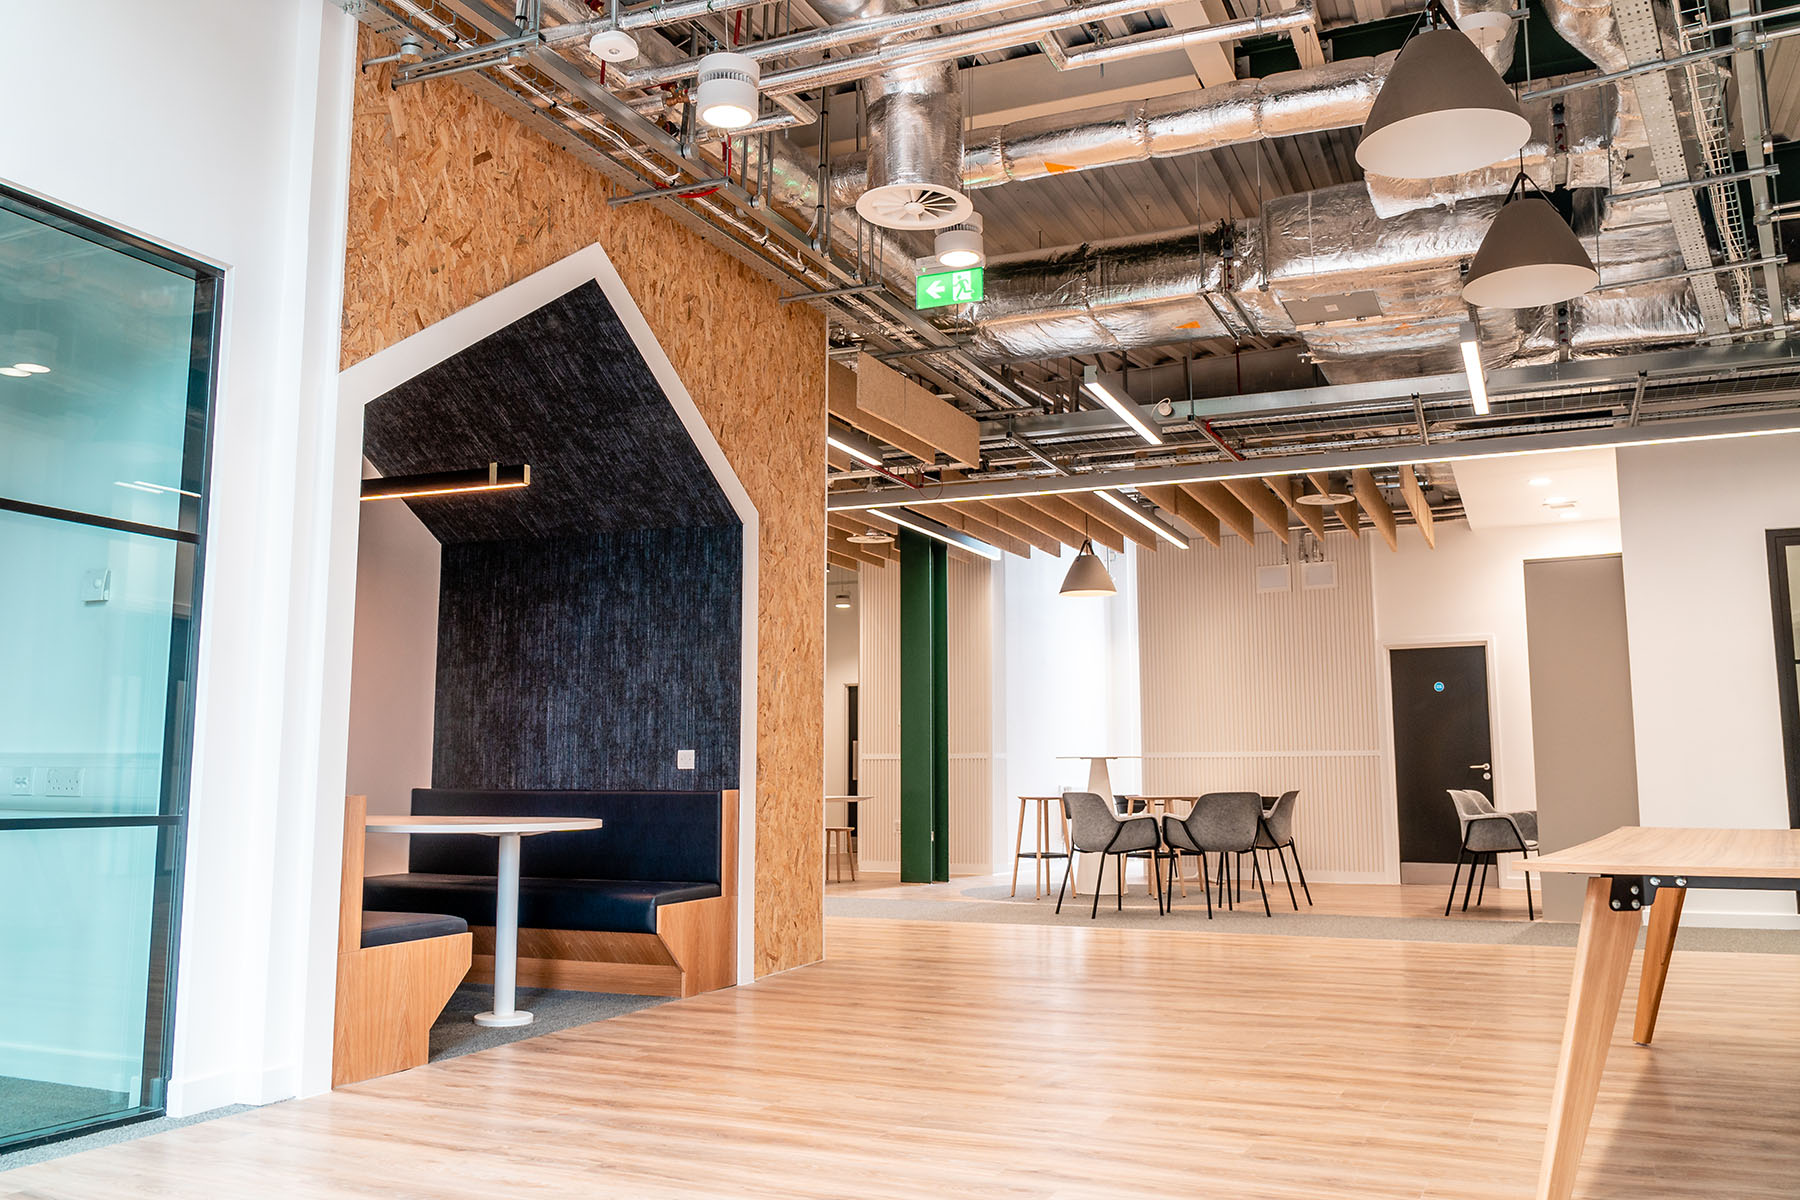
x,y
106,353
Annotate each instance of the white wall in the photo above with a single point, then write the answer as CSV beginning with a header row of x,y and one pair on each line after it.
x,y
393,671
1069,667
1471,589
841,671
1703,675
213,134
1269,691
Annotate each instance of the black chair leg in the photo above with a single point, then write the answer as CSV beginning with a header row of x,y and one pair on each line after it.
x,y
1099,886
1460,854
1292,899
1205,885
1063,886
1300,871
1469,884
1119,880
1482,893
1530,915
1256,870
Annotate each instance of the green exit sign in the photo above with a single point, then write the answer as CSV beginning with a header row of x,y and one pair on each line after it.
x,y
948,287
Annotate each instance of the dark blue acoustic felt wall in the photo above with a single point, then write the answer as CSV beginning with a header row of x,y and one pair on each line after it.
x,y
588,662
589,626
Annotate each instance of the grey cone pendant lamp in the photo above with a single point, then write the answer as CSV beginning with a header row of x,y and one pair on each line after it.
x,y
1443,110
1087,575
1530,257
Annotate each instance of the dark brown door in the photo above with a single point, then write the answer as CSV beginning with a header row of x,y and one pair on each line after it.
x,y
1440,742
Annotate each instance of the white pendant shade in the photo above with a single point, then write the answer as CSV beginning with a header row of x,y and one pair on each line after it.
x,y
1087,575
1529,258
1442,111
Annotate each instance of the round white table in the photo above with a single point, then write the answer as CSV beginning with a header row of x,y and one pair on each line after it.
x,y
506,888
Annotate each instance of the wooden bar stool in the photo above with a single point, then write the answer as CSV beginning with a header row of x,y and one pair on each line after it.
x,y
1040,853
838,848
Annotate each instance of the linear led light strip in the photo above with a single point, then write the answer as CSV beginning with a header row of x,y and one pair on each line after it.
x,y
492,478
1137,514
861,456
973,545
160,489
1123,410
1471,354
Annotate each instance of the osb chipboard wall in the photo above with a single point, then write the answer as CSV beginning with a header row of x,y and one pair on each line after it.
x,y
450,201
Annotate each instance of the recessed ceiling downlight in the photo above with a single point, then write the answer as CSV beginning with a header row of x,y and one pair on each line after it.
x,y
870,537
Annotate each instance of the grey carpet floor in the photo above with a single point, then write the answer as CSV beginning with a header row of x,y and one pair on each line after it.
x,y
453,1035
456,1033
988,904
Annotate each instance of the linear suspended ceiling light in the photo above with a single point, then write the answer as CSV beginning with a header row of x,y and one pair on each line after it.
x,y
727,94
1470,340
862,456
1137,514
491,478
1442,111
1124,411
961,541
1529,256
1087,574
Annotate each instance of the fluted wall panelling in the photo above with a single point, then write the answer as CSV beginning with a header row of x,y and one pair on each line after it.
x,y
450,201
971,723
1267,692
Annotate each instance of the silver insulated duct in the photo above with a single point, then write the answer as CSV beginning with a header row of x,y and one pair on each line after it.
x,y
914,123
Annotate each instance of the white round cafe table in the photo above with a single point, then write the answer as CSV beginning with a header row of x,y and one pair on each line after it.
x,y
506,888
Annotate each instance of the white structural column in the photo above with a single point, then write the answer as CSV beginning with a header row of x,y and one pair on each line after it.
x,y
506,939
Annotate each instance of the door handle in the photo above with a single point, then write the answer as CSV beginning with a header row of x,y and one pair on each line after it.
x,y
1481,766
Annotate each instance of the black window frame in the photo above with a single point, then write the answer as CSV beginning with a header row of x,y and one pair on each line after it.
x,y
189,536
1787,658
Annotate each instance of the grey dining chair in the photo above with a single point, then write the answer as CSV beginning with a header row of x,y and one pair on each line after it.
x,y
1222,823
1277,834
1488,833
1094,828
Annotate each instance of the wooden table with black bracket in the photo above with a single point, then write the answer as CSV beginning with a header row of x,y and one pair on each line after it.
x,y
1632,869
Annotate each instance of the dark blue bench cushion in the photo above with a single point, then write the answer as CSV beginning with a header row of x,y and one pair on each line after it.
x,y
609,905
389,928
658,837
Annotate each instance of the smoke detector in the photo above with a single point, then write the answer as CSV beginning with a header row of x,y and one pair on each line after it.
x,y
918,206
613,45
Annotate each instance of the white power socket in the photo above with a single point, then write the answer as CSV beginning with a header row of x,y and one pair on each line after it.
x,y
684,760
62,781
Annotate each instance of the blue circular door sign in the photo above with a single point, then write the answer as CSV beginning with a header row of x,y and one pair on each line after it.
x,y
1438,686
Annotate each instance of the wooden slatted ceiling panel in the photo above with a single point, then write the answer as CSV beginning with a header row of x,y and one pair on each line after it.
x,y
971,715
1782,64
1271,691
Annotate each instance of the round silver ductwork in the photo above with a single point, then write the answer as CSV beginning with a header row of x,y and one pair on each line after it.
x,y
915,150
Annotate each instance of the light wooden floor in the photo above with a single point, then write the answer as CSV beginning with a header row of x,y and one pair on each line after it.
x,y
997,1061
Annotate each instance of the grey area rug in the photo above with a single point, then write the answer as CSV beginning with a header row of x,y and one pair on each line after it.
x,y
456,1032
988,905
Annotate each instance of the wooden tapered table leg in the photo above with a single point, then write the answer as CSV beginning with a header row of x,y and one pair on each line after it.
x,y
1602,959
1018,846
1659,943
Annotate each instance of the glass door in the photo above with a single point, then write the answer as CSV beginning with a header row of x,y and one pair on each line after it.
x,y
106,350
1784,581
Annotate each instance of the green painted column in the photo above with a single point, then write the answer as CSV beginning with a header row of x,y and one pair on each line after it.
x,y
918,724
940,711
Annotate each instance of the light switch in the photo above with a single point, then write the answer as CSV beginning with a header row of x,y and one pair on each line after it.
x,y
21,781
96,586
684,760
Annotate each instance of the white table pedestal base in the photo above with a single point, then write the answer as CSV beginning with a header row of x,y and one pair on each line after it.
x,y
506,939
